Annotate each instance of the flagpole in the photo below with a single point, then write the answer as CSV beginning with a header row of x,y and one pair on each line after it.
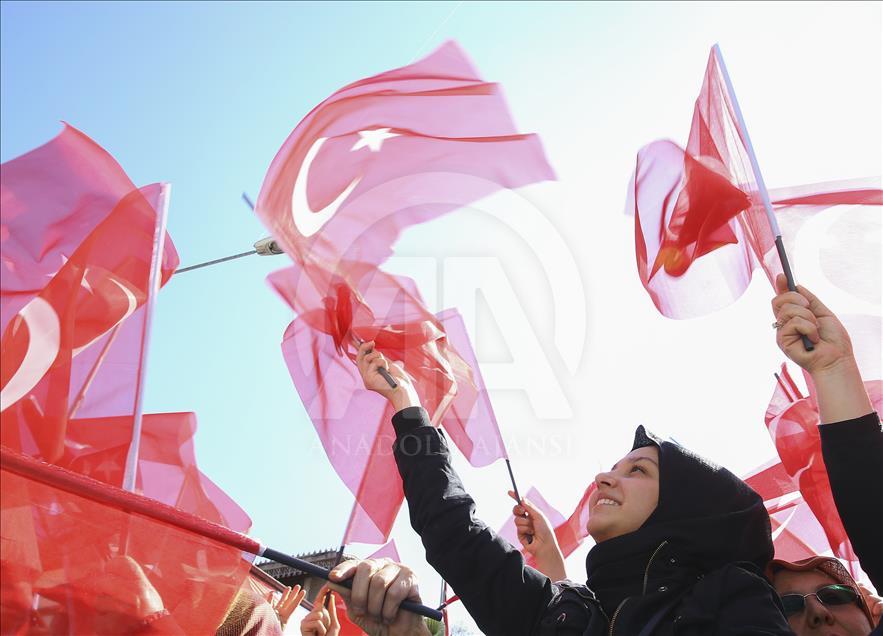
x,y
133,503
764,195
153,284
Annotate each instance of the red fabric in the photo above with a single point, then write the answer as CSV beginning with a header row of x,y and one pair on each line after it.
x,y
102,283
167,470
469,420
353,424
793,421
390,151
388,551
60,556
700,226
52,198
573,532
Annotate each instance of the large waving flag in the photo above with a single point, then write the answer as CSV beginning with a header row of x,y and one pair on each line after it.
x,y
700,223
80,263
390,151
103,282
354,424
75,564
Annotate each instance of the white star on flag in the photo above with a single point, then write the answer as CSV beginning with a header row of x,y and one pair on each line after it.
x,y
373,139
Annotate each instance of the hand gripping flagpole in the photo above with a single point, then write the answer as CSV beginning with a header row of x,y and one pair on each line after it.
x,y
130,502
764,195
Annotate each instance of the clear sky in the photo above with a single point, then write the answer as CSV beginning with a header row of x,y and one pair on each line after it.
x,y
203,94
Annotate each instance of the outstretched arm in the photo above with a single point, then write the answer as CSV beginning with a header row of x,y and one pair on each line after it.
x,y
502,594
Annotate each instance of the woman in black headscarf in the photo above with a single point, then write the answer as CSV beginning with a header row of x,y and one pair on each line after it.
x,y
681,542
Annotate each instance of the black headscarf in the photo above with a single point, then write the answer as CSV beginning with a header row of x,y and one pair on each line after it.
x,y
706,513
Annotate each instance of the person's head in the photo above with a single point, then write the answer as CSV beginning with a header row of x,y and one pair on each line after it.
x,y
661,491
820,597
626,495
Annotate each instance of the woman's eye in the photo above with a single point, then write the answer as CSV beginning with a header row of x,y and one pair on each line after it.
x,y
639,469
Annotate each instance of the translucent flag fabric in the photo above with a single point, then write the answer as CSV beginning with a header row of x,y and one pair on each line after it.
x,y
69,564
52,198
700,226
510,533
354,426
104,282
469,420
335,311
720,276
793,421
167,469
389,151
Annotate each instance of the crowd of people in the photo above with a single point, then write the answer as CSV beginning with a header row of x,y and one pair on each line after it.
x,y
682,546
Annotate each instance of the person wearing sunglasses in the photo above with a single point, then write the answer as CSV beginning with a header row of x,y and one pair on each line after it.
x,y
820,597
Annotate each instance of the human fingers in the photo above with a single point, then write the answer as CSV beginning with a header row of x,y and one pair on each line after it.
x,y
796,327
312,624
788,297
403,586
333,622
364,349
788,311
359,598
378,585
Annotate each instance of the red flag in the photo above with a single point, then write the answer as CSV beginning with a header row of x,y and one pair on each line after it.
x,y
469,421
706,202
52,198
793,421
167,470
74,564
102,284
354,426
390,151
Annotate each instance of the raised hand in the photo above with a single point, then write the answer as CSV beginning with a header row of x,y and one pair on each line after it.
x,y
537,537
321,621
369,360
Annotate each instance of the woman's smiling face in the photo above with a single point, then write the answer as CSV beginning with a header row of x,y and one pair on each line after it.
x,y
626,496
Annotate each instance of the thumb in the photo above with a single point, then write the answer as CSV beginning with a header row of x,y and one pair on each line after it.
x,y
781,284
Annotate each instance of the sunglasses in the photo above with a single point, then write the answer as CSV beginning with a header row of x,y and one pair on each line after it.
x,y
828,595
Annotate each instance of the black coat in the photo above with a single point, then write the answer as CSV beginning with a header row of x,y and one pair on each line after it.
x,y
853,453
638,581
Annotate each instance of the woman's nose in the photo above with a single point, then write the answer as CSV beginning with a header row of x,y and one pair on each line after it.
x,y
607,479
817,613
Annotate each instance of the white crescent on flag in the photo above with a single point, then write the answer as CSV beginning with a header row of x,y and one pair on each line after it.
x,y
44,342
306,220
44,339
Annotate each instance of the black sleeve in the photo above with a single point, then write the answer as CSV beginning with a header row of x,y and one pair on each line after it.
x,y
751,606
853,453
502,594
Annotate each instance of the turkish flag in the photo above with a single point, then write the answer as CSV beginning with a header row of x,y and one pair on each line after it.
x,y
72,564
793,424
101,285
700,224
167,469
389,151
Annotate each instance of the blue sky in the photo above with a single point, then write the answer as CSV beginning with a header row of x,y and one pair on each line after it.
x,y
203,94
